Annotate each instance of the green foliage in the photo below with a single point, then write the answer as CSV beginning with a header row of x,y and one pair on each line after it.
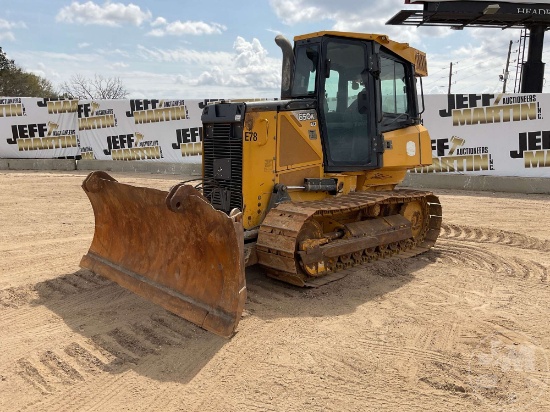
x,y
5,63
14,82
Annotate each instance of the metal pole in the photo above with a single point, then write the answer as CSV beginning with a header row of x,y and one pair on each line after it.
x,y
507,65
533,71
450,76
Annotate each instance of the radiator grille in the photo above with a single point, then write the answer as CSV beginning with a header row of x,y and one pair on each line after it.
x,y
222,148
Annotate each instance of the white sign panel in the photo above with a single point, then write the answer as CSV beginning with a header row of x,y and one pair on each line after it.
x,y
38,128
489,134
141,129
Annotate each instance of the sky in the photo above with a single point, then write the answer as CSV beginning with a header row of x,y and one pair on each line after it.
x,y
225,49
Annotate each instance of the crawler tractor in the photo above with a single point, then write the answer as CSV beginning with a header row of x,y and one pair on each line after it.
x,y
304,186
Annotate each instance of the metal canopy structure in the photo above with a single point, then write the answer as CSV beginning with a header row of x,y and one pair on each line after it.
x,y
503,14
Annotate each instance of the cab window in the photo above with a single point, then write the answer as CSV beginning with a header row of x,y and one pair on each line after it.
x,y
307,57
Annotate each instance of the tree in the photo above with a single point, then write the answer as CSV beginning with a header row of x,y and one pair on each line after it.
x,y
15,82
5,63
80,87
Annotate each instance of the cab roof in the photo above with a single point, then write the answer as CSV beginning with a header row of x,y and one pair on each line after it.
x,y
415,56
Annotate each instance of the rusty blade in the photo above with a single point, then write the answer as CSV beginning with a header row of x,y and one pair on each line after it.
x,y
173,249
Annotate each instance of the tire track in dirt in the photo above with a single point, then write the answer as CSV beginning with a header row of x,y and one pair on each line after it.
x,y
112,351
266,292
105,358
453,252
88,360
340,375
487,235
76,364
33,376
100,355
347,373
58,291
62,286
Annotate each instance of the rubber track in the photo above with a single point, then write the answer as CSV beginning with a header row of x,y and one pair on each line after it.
x,y
276,244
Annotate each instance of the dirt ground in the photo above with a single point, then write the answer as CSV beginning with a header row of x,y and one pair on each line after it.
x,y
462,327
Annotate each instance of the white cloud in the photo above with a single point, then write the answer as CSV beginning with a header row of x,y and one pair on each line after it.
x,y
193,57
83,45
62,59
156,33
179,28
250,66
112,52
108,14
6,27
292,12
245,71
7,35
159,21
361,17
298,11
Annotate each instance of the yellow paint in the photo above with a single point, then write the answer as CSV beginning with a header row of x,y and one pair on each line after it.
x,y
410,148
295,140
258,165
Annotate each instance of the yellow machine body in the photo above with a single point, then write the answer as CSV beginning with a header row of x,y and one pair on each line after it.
x,y
279,148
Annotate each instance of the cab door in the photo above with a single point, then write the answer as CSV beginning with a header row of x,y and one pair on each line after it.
x,y
347,107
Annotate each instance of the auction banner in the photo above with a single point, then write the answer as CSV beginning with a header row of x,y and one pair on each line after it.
x,y
141,129
38,128
483,134
489,134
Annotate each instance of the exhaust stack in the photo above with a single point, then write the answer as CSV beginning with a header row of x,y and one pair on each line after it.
x,y
287,66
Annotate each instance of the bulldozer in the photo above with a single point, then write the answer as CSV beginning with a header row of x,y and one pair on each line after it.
x,y
304,185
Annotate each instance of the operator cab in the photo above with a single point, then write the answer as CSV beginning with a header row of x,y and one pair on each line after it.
x,y
362,89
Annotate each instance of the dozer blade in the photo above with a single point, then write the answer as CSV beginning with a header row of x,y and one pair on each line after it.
x,y
173,249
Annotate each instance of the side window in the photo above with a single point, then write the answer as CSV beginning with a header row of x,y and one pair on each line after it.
x,y
305,70
394,88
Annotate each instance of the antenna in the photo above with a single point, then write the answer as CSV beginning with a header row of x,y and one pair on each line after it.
x,y
506,73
